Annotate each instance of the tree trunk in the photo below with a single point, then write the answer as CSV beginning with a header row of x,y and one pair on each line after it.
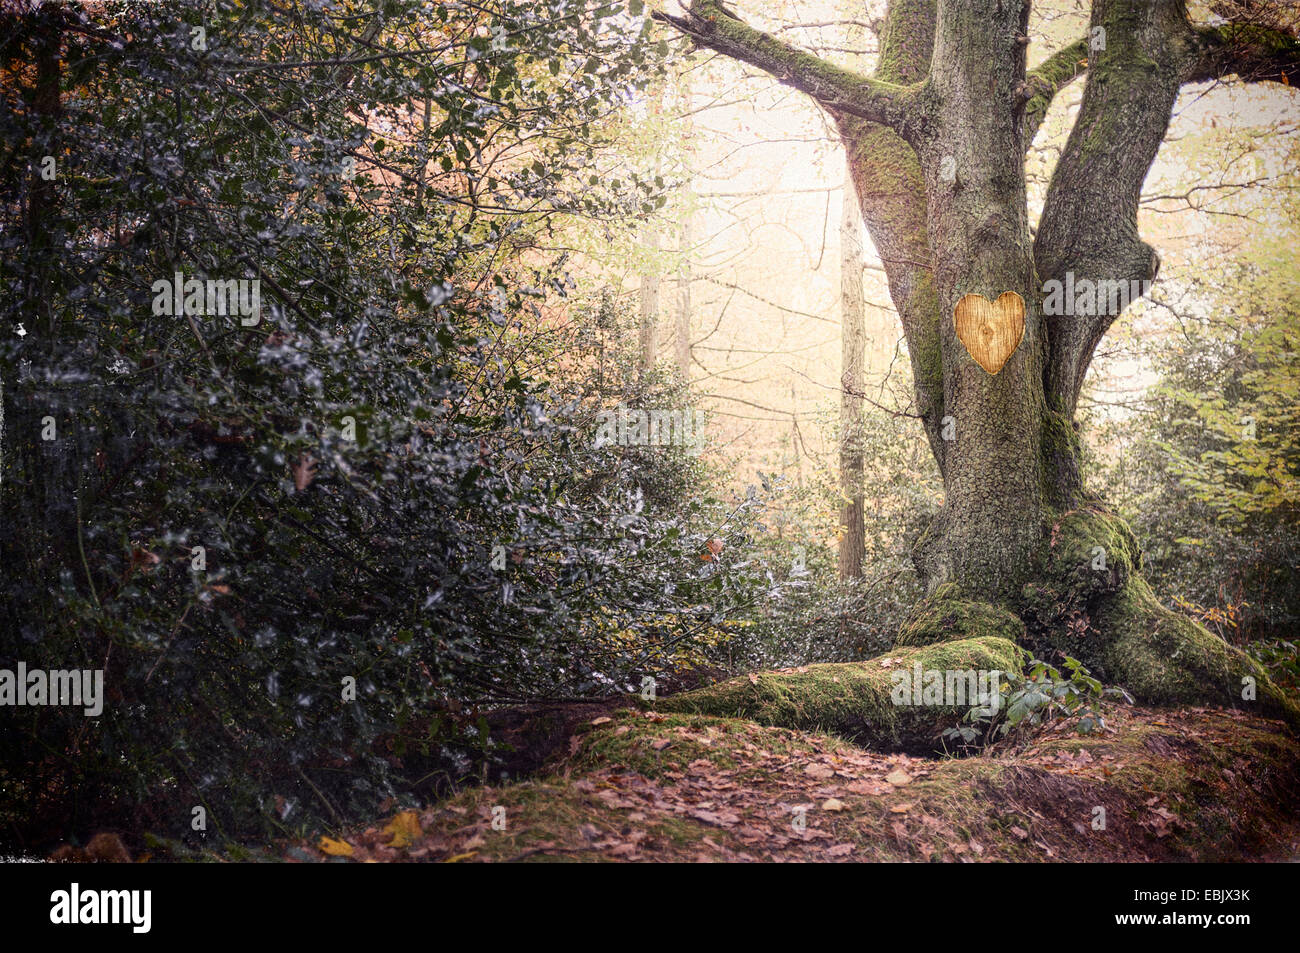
x,y
648,298
685,239
682,305
48,467
853,343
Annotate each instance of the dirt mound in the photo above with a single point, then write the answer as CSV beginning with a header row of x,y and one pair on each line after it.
x,y
1198,784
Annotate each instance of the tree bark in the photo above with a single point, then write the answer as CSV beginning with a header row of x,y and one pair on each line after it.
x,y
685,242
682,304
972,160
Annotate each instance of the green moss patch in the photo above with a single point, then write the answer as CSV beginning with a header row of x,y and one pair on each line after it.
x,y
1089,552
854,699
1088,600
947,616
1163,657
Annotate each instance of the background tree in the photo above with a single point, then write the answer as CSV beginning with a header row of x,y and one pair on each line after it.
x,y
853,347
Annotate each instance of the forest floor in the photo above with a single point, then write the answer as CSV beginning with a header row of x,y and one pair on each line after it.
x,y
1157,785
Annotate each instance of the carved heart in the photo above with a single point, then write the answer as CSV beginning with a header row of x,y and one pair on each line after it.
x,y
991,331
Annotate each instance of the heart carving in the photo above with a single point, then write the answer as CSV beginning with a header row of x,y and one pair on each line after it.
x,y
990,330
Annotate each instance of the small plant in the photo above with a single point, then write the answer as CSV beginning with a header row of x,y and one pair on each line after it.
x,y
1223,620
1041,695
1281,658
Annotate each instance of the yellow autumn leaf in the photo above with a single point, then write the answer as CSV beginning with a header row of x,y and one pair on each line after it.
x,y
457,858
404,829
335,848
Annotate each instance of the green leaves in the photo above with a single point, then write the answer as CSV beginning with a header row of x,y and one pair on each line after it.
x,y
1043,694
397,296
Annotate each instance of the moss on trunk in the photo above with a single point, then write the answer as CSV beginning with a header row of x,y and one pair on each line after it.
x,y
1090,601
948,616
1087,599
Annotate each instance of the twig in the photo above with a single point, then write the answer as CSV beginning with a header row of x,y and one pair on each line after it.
x,y
320,794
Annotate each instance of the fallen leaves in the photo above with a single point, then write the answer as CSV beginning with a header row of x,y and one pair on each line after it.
x,y
304,471
335,848
403,829
718,819
1160,820
868,787
734,791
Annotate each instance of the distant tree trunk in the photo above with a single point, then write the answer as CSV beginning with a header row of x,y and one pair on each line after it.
x,y
648,310
796,439
685,232
682,309
853,342
46,38
49,467
681,317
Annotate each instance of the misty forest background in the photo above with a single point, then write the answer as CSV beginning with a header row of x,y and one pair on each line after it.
x,y
478,225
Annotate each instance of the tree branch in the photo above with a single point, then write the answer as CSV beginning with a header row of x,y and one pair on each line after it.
x,y
842,91
891,191
1255,52
1089,222
1049,78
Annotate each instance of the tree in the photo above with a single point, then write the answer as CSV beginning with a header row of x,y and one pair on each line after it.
x,y
936,139
853,339
648,301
